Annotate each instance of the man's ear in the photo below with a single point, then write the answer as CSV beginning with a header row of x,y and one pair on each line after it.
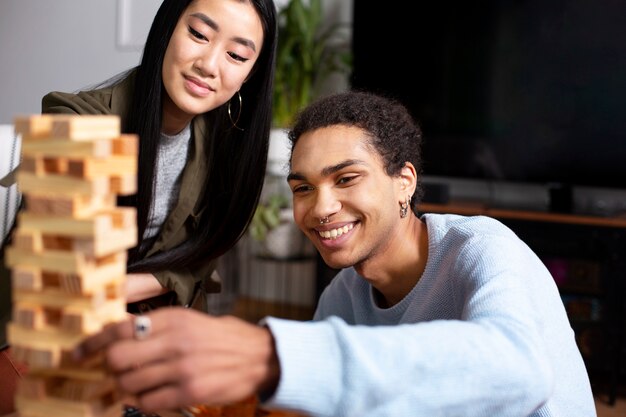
x,y
408,180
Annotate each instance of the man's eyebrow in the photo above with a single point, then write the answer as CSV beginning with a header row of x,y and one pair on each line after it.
x,y
213,25
327,170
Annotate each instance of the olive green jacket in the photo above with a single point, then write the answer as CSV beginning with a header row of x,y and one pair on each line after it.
x,y
190,285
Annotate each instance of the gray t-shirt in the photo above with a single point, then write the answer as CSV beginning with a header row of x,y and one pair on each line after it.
x,y
172,157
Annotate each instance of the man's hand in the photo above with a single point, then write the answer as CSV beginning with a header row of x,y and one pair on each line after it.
x,y
188,358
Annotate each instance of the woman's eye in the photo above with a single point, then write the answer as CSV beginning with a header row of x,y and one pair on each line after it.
x,y
196,34
237,57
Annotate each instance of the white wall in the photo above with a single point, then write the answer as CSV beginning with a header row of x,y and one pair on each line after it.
x,y
66,45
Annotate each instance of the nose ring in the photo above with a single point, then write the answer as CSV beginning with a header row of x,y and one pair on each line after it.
x,y
324,220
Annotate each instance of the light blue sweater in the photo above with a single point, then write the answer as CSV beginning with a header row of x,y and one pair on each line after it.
x,y
483,333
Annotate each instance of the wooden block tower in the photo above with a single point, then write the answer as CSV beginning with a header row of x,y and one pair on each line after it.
x,y
68,258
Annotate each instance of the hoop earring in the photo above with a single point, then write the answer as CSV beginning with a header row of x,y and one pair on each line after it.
x,y
234,122
404,207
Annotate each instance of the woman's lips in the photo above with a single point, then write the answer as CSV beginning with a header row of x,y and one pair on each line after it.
x,y
197,87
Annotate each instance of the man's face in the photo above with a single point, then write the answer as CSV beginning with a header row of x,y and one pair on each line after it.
x,y
335,174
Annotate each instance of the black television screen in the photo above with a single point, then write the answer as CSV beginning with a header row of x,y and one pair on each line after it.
x,y
514,90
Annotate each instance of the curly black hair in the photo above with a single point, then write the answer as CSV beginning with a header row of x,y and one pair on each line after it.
x,y
393,132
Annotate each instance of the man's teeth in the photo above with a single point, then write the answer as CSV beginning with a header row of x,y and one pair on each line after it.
x,y
335,233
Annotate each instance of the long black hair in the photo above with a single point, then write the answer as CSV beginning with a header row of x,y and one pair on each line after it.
x,y
236,158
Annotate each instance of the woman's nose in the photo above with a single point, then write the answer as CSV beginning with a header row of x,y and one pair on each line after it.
x,y
206,65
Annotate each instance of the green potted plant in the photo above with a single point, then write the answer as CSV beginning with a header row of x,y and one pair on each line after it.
x,y
268,216
274,229
308,53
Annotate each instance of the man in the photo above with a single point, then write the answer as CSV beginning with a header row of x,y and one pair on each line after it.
x,y
430,315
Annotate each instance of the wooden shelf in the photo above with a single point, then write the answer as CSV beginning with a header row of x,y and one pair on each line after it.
x,y
539,216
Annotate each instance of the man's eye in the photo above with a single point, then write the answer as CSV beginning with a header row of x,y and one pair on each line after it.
x,y
345,180
301,188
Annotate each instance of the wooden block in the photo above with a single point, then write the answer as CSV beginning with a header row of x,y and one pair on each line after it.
x,y
107,243
89,321
124,218
35,126
42,165
99,224
76,206
32,165
100,300
123,184
53,297
56,165
29,183
26,278
55,242
106,240
86,128
77,389
108,406
112,166
31,241
55,261
35,279
35,241
34,387
100,148
37,357
95,280
39,387
46,341
126,144
63,262
90,370
28,316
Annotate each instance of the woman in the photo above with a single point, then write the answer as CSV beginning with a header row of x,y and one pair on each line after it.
x,y
200,102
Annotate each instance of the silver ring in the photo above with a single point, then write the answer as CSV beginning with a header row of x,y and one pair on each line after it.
x,y
142,327
324,220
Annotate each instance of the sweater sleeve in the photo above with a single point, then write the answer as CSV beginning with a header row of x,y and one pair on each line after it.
x,y
329,368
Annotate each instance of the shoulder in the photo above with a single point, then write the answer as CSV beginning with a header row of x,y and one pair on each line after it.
x,y
466,227
112,99
475,240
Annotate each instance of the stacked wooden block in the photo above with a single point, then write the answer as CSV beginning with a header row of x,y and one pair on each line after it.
x,y
68,258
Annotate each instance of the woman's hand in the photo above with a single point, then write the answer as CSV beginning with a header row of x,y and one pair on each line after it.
x,y
142,286
188,358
